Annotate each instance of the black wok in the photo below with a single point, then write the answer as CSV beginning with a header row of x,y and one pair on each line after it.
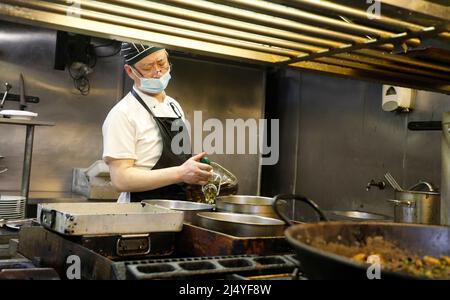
x,y
318,264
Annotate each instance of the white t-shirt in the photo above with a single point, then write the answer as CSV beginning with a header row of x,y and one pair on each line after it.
x,y
130,132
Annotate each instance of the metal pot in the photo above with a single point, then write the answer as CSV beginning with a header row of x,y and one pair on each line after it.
x,y
253,205
241,225
190,209
421,207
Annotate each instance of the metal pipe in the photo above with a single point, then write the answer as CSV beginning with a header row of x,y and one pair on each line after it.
x,y
403,59
268,19
61,21
388,65
199,27
296,13
361,74
350,11
102,17
26,172
365,67
370,44
225,22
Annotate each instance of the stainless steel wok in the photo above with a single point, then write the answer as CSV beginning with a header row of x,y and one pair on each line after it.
x,y
319,264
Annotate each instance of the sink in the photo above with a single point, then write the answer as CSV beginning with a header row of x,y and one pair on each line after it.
x,y
356,215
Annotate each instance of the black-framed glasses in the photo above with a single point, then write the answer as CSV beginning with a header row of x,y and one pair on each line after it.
x,y
150,73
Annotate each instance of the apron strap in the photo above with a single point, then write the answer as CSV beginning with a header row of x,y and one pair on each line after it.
x,y
138,98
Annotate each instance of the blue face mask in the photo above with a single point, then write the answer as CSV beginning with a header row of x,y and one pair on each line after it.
x,y
154,85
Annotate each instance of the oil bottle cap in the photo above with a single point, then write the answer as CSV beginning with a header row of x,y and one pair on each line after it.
x,y
205,160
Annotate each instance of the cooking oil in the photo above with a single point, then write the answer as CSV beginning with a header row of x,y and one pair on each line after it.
x,y
212,188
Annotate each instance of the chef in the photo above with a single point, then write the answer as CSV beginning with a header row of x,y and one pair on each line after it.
x,y
138,133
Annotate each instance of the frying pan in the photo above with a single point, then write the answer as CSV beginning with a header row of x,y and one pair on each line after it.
x,y
253,205
318,264
241,225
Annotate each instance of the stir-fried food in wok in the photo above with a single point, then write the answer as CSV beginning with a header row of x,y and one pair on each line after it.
x,y
389,256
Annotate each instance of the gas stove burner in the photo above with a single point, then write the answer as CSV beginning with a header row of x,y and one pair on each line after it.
x,y
153,256
214,267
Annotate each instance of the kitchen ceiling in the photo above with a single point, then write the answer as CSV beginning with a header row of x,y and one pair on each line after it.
x,y
407,45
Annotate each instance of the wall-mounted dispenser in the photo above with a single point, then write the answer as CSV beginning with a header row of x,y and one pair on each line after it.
x,y
398,98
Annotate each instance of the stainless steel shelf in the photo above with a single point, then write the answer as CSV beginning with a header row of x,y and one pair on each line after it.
x,y
25,122
29,138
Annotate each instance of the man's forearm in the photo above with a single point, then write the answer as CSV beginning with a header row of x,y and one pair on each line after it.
x,y
133,179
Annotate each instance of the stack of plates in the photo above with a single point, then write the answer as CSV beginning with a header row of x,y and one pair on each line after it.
x,y
12,207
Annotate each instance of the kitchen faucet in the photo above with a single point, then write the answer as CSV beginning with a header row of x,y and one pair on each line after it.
x,y
381,184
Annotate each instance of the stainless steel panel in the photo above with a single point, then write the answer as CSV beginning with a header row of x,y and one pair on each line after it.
x,y
423,148
282,102
345,140
340,148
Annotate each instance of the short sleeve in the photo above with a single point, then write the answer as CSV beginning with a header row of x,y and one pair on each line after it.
x,y
119,136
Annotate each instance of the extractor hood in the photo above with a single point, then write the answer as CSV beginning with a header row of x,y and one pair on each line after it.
x,y
400,42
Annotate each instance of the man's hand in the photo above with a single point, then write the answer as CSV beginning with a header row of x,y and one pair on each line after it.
x,y
194,172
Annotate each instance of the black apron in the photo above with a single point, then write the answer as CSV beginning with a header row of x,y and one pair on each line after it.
x,y
167,159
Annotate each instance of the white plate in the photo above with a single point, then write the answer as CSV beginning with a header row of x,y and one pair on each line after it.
x,y
12,211
11,198
11,205
11,201
11,208
12,217
18,114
